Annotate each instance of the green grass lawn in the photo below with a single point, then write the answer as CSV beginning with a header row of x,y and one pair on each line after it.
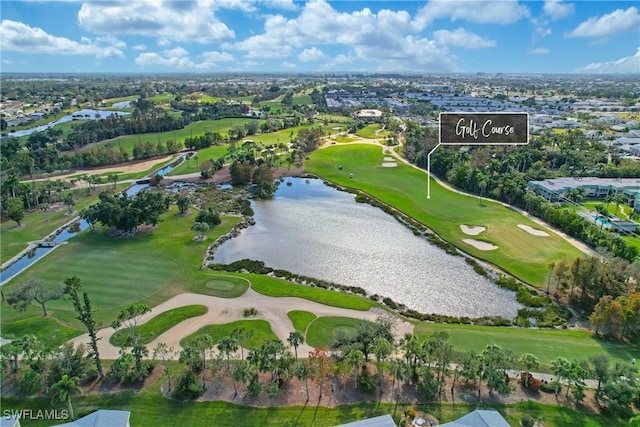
x,y
547,344
373,131
521,254
192,165
35,226
149,268
223,286
321,331
302,100
150,408
274,287
301,319
158,325
221,126
261,332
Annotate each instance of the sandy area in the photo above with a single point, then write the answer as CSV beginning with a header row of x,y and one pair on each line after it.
x,y
472,231
389,164
123,168
389,159
225,310
483,246
533,231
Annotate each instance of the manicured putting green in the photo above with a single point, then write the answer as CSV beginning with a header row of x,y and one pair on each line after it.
x,y
322,330
155,327
261,330
301,319
222,286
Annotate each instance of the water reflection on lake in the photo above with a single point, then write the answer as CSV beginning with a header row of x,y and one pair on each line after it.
x,y
315,230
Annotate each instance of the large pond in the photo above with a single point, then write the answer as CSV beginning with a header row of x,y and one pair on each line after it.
x,y
315,230
84,114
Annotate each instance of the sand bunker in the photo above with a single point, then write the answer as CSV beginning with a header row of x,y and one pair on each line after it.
x,y
472,231
389,159
533,231
389,164
483,246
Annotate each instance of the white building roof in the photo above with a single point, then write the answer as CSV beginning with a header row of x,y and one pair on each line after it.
x,y
101,418
479,418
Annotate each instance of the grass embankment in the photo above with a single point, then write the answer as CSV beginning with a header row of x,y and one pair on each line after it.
x,y
403,187
546,344
274,287
36,226
158,325
150,408
301,319
260,329
116,272
322,330
373,131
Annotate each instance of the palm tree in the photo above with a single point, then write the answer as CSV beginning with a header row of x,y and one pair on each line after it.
x,y
228,346
561,368
63,390
201,227
295,339
355,359
529,361
381,348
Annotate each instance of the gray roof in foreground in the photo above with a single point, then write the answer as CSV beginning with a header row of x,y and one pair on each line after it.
x,y
381,421
572,182
101,418
479,418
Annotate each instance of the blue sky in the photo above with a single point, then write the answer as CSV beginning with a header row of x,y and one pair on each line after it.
x,y
211,36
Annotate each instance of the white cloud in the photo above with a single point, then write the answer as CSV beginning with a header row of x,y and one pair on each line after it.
x,y
628,64
21,37
7,61
287,64
556,9
481,11
179,58
618,21
462,38
172,20
312,54
372,37
538,51
251,5
139,47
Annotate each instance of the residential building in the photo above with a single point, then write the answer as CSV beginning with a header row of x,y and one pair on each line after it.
x,y
556,189
101,418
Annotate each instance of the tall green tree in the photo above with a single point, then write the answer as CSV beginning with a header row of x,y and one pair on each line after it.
x,y
84,312
64,389
296,339
15,209
34,291
129,318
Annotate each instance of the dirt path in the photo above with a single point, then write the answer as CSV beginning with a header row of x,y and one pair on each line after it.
x,y
225,310
123,168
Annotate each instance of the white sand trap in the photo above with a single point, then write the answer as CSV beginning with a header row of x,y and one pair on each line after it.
x,y
483,246
472,231
533,231
389,159
389,164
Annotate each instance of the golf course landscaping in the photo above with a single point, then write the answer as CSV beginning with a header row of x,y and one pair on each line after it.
x,y
520,253
162,267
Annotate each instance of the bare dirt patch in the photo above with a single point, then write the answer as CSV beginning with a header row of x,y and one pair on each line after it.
x,y
533,231
472,230
478,244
